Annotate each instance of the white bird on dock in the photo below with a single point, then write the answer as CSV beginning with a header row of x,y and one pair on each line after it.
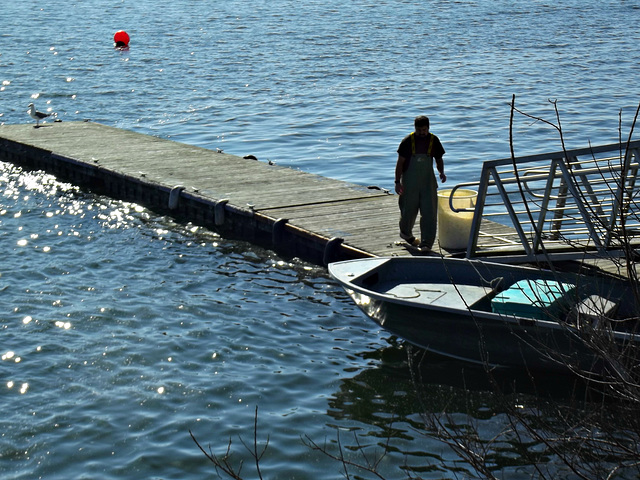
x,y
36,115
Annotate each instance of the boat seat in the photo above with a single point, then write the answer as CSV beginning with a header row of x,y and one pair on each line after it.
x,y
441,295
591,311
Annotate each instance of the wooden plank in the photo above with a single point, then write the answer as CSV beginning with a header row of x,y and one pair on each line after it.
x,y
367,220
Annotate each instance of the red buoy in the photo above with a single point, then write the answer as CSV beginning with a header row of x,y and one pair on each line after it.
x,y
121,38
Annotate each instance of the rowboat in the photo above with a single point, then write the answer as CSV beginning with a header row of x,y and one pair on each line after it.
x,y
496,314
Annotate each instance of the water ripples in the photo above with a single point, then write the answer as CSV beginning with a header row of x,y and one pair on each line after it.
x,y
122,330
286,88
133,327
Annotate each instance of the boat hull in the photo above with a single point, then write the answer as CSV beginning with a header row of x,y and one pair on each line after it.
x,y
392,293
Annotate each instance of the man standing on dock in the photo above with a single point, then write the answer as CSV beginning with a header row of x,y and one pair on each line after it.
x,y
416,183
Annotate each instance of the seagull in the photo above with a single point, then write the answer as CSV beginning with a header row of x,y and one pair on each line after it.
x,y
36,115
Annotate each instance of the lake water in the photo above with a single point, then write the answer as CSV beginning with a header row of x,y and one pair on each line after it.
x,y
122,331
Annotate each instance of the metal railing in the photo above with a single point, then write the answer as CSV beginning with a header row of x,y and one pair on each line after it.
x,y
560,204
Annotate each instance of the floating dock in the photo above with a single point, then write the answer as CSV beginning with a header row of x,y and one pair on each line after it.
x,y
570,202
292,212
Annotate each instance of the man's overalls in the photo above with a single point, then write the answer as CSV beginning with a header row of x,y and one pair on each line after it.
x,y
420,194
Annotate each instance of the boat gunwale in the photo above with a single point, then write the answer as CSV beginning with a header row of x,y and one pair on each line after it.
x,y
335,269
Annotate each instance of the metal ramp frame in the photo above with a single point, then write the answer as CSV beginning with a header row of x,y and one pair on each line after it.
x,y
559,205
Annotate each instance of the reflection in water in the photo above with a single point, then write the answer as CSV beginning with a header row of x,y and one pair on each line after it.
x,y
432,397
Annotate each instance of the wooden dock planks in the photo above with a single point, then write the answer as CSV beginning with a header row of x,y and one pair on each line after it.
x,y
316,208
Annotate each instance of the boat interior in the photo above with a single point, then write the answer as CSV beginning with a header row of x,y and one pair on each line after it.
x,y
492,287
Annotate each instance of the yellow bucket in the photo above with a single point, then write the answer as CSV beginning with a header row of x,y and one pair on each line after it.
x,y
454,228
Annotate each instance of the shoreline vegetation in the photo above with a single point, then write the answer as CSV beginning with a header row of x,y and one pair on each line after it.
x,y
591,433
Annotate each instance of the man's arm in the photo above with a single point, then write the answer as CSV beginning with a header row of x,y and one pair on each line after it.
x,y
440,167
399,168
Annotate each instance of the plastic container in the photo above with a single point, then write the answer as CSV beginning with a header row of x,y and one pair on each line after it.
x,y
454,228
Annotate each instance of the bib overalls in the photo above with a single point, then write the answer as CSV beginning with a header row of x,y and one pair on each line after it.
x,y
420,195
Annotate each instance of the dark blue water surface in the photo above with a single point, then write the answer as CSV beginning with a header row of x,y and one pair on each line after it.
x,y
121,330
